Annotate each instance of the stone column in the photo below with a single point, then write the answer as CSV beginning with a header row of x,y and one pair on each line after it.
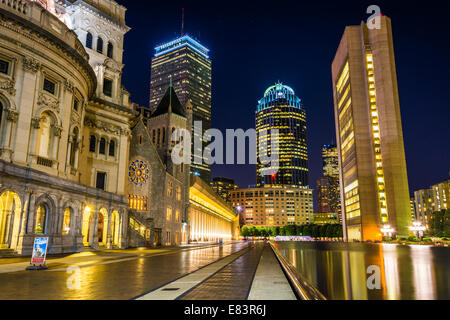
x,y
108,231
25,103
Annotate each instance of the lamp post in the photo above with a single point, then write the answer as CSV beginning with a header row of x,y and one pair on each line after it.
x,y
418,229
387,231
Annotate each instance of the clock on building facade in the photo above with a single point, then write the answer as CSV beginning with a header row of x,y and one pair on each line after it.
x,y
138,172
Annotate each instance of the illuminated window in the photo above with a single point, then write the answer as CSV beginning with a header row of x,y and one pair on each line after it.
x,y
138,203
179,193
170,189
41,215
67,221
169,214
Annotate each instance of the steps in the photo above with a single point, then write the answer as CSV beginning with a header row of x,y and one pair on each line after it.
x,y
8,253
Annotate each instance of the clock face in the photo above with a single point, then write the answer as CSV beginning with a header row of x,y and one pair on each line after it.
x,y
138,172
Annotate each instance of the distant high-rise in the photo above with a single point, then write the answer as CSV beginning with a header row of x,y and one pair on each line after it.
x,y
281,109
187,63
374,182
222,186
328,195
330,161
328,191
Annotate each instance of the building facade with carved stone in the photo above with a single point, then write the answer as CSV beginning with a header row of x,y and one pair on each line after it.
x,y
64,125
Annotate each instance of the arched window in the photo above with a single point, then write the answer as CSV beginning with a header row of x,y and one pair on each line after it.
x,y
41,216
110,52
92,143
74,147
100,45
67,220
89,40
112,148
46,136
102,149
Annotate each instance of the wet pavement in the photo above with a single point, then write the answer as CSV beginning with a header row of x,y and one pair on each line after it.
x,y
111,276
233,282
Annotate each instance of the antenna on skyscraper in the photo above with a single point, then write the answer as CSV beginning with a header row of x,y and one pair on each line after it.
x,y
182,22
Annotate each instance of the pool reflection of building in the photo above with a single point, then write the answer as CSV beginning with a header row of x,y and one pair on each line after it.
x,y
340,270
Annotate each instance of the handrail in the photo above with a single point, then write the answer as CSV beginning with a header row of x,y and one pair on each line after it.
x,y
302,287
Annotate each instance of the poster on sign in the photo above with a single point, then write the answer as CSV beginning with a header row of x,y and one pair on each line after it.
x,y
39,251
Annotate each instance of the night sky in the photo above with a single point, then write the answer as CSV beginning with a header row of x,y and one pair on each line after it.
x,y
255,44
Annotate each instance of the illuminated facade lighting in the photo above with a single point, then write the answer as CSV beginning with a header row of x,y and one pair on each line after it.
x,y
281,109
373,177
186,63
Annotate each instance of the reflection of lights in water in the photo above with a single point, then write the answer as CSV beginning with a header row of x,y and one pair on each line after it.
x,y
293,257
392,284
358,275
424,282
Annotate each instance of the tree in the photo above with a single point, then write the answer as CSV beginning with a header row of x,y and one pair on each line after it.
x,y
290,230
245,231
283,231
276,231
316,231
438,223
300,230
307,230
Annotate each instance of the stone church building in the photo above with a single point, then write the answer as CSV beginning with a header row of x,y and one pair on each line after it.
x,y
159,189
78,163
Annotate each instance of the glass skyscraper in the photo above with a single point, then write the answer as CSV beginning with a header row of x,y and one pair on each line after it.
x,y
187,63
281,109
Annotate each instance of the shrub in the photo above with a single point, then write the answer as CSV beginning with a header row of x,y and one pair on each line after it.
x,y
412,238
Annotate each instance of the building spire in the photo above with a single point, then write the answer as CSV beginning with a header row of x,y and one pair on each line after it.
x,y
182,22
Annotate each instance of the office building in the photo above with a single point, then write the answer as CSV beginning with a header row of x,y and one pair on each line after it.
x,y
274,205
330,161
374,182
186,63
282,110
222,186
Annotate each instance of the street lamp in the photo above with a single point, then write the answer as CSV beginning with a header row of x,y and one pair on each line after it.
x,y
418,229
387,231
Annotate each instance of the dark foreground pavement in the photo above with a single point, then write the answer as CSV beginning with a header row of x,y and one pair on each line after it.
x,y
126,277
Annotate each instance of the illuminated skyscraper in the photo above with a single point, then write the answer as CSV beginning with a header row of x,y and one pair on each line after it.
x,y
281,109
187,63
374,182
222,186
328,191
330,161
